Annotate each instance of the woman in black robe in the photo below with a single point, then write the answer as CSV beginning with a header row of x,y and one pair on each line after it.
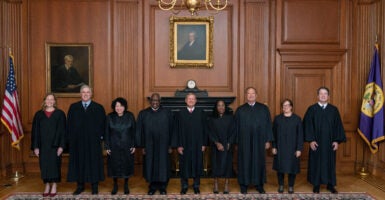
x,y
47,142
221,133
287,145
120,143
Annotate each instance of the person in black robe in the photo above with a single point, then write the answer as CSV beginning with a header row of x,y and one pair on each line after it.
x,y
190,140
154,129
119,142
85,130
221,133
324,131
48,142
254,134
287,145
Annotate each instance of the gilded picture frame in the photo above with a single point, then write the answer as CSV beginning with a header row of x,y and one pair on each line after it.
x,y
191,42
69,66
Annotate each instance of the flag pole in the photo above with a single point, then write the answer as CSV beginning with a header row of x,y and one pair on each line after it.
x,y
17,175
363,172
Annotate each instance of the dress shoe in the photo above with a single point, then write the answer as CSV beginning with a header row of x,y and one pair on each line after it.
x,y
261,190
78,191
114,189
291,190
151,192
183,191
243,190
162,191
197,191
316,189
332,189
52,194
45,194
95,192
280,189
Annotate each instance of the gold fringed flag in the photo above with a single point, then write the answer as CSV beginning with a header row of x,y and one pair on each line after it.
x,y
10,114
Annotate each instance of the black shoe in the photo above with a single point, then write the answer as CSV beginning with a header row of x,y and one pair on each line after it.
x,y
95,189
291,190
332,189
261,190
316,189
197,191
183,191
114,189
225,192
162,191
151,192
126,190
280,189
78,190
243,189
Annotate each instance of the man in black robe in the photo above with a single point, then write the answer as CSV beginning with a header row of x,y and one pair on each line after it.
x,y
190,140
154,129
86,122
254,134
324,130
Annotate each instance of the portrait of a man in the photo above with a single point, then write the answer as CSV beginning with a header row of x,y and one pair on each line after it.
x,y
192,47
69,68
191,41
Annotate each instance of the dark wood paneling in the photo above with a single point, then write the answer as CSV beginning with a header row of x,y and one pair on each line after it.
x,y
311,24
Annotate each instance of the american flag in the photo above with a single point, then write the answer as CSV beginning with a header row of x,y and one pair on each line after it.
x,y
10,114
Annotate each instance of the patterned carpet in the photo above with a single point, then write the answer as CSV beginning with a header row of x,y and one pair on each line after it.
x,y
231,196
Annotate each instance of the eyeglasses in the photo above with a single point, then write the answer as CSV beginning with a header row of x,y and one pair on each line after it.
x,y
286,105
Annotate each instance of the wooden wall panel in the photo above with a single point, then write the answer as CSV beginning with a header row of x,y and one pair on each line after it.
x,y
257,72
159,77
311,24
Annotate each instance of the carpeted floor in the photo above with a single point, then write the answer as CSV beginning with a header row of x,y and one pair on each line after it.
x,y
231,196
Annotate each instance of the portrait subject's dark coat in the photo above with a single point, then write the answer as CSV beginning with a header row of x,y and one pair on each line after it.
x,y
221,129
48,134
85,129
120,138
191,135
63,77
288,138
325,127
154,131
254,129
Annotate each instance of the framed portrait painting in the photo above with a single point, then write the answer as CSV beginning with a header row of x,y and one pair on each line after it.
x,y
191,41
69,66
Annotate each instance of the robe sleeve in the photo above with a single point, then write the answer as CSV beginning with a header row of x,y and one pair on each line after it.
x,y
35,136
139,130
107,134
268,126
274,143
299,135
176,140
308,125
339,135
211,131
59,140
205,137
133,132
233,131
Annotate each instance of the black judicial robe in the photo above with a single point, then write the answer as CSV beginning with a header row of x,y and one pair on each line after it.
x,y
119,138
191,135
221,129
288,138
85,129
154,131
254,129
48,134
325,127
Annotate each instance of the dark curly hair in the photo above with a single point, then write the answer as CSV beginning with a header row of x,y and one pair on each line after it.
x,y
120,100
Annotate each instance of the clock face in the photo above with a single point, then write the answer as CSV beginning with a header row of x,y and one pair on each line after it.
x,y
191,84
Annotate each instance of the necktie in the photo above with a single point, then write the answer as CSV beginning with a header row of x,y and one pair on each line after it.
x,y
85,106
190,110
323,107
